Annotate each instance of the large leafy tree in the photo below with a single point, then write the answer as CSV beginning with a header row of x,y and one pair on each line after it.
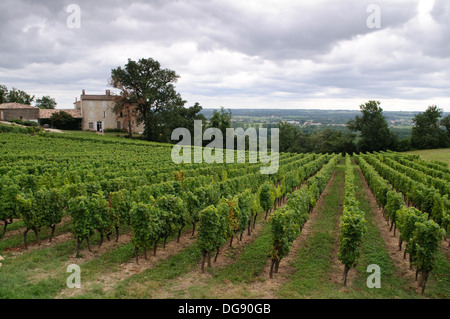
x,y
46,102
19,96
292,139
426,132
14,95
124,107
445,122
375,132
3,94
152,90
221,120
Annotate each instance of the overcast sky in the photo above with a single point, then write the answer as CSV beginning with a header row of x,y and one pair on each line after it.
x,y
324,54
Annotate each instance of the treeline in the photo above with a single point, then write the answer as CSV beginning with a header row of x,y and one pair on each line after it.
x,y
370,132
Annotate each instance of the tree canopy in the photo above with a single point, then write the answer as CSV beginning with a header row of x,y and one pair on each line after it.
x,y
15,96
46,102
294,140
152,90
375,133
426,132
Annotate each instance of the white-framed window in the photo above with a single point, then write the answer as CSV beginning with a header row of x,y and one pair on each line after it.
x,y
119,125
91,125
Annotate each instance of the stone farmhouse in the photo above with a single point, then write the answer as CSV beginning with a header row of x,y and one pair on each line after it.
x,y
97,113
94,111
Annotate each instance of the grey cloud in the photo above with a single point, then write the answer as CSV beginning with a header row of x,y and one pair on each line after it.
x,y
35,32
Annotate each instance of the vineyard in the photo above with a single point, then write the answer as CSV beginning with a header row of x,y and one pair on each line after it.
x,y
141,226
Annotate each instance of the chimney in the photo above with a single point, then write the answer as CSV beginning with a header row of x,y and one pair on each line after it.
x,y
83,92
108,92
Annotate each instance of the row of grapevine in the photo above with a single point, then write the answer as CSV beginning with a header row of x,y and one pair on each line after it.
x,y
421,234
287,222
439,184
424,198
435,165
222,221
30,186
352,225
436,173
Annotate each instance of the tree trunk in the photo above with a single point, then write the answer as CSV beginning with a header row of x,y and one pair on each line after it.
x,y
217,254
78,247
179,235
52,233
25,238
203,261
145,253
254,221
136,249
277,264
117,234
165,240
88,243
423,281
36,233
249,225
4,226
193,228
271,269
209,260
400,242
101,240
155,246
346,270
231,241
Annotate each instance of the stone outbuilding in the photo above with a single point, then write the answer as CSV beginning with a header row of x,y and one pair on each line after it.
x,y
17,111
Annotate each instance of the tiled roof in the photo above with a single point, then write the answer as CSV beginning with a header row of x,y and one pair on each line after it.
x,y
46,113
16,106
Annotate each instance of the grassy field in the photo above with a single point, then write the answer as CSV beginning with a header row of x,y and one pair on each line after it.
x,y
441,154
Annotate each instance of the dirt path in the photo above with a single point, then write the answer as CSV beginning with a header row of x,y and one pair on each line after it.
x,y
197,278
109,279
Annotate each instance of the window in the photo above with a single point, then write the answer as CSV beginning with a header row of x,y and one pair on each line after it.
x,y
104,114
91,125
119,125
121,114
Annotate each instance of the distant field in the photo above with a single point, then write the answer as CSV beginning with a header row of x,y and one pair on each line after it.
x,y
442,154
